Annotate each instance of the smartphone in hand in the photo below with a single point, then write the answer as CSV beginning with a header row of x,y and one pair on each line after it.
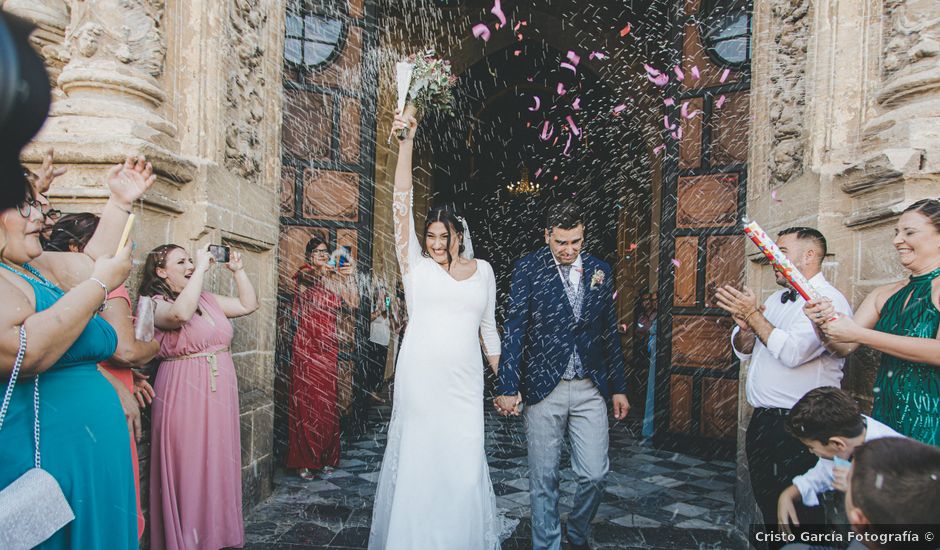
x,y
220,253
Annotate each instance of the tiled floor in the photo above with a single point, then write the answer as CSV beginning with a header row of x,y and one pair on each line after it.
x,y
653,499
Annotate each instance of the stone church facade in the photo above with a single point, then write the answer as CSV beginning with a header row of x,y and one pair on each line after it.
x,y
839,109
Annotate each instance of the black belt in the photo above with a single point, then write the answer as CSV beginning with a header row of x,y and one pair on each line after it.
x,y
771,411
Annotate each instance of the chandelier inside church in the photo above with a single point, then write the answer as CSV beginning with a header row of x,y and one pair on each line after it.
x,y
524,186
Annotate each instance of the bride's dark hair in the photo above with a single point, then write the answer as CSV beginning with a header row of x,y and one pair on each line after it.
x,y
446,215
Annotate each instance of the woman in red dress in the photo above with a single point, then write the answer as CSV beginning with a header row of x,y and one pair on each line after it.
x,y
323,285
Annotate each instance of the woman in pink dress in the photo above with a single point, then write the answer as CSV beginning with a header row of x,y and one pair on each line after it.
x,y
195,469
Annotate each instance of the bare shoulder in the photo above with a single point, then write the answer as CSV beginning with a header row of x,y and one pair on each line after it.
x,y
881,294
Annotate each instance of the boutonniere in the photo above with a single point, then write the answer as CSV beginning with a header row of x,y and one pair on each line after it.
x,y
597,279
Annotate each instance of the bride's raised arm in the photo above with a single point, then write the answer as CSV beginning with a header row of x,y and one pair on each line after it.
x,y
407,247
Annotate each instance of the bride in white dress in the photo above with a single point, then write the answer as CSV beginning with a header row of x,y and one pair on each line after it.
x,y
434,490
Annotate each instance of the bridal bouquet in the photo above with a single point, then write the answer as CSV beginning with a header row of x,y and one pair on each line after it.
x,y
424,83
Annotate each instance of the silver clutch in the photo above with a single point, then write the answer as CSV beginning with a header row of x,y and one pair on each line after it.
x,y
33,507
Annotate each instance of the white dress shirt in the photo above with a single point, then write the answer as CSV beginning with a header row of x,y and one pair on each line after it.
x,y
818,479
794,361
574,276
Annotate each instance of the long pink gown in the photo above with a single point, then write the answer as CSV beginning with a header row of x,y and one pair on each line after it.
x,y
195,471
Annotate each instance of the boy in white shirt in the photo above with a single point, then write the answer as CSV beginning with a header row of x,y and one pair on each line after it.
x,y
828,421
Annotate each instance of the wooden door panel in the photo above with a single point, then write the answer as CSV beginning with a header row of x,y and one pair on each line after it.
x,y
704,179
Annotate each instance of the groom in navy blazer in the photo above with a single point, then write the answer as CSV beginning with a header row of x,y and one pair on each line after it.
x,y
561,355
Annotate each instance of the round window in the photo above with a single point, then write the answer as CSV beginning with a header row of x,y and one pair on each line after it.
x,y
312,40
727,31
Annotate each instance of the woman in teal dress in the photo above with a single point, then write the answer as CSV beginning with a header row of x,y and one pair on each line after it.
x,y
84,437
901,320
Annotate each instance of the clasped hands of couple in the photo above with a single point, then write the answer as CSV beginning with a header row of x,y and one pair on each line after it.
x,y
743,304
508,405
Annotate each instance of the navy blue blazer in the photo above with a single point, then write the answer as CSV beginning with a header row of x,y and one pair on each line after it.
x,y
540,330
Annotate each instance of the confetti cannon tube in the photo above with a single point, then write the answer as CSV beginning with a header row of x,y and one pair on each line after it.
x,y
780,262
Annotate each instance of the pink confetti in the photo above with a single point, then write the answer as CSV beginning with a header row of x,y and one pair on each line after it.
x,y
570,67
573,126
530,78
677,135
633,247
660,80
560,89
773,195
576,104
619,108
684,110
667,124
573,57
481,31
538,103
615,295
623,327
517,53
720,102
519,37
669,102
650,70
625,31
680,76
498,12
695,72
567,146
547,131
659,149
676,262
597,55
724,75
537,172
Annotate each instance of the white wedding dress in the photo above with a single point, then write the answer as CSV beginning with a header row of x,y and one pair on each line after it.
x,y
434,490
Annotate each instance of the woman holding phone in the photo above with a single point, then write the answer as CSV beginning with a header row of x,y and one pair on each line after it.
x,y
313,429
196,448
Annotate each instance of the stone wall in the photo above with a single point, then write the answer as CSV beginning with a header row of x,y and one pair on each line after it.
x,y
846,102
195,87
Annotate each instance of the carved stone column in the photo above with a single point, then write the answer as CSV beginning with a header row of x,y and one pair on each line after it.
x,y
900,142
112,101
51,17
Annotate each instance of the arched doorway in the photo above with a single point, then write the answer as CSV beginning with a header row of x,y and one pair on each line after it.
x,y
521,127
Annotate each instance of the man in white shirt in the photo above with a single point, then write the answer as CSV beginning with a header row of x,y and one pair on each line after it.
x,y
787,360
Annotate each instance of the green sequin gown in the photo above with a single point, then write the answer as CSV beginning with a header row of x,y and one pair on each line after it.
x,y
907,394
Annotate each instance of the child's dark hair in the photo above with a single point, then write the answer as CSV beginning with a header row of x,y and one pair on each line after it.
x,y
824,413
448,217
896,480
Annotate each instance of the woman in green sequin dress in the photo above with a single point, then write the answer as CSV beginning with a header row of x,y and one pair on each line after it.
x,y
901,320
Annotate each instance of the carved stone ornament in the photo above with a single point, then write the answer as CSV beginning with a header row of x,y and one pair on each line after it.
x,y
51,17
115,43
912,33
790,25
245,88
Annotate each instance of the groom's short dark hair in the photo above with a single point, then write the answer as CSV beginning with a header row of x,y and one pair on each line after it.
x,y
563,215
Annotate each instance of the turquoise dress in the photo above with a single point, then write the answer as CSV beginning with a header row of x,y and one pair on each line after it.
x,y
84,442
